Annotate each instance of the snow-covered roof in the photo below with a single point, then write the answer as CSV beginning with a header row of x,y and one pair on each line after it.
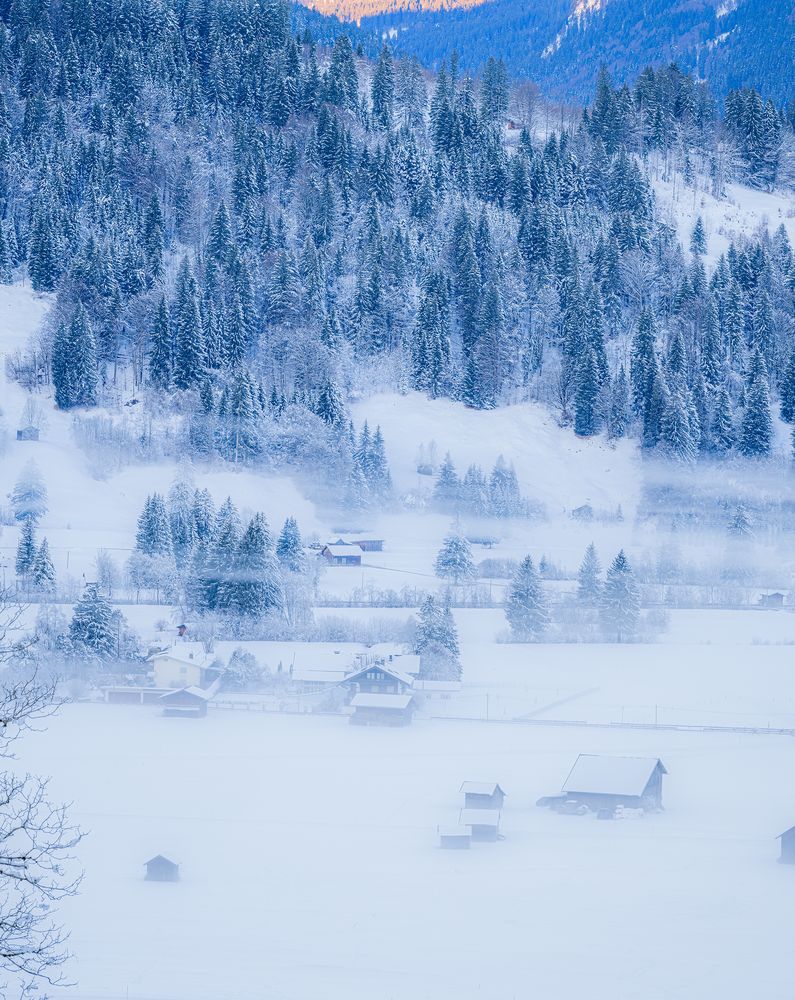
x,y
454,831
204,693
385,669
396,701
597,774
161,857
480,788
185,652
479,817
786,833
342,550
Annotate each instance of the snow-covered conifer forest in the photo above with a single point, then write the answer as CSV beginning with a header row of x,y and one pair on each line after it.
x,y
388,453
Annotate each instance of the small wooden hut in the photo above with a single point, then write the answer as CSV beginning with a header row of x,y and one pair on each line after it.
x,y
482,795
484,824
161,869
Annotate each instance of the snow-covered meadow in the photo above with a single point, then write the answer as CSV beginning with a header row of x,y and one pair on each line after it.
x,y
309,865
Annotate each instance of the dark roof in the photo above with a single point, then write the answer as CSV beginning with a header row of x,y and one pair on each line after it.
x,y
160,857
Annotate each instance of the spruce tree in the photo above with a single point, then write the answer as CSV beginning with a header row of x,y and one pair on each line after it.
x,y
93,630
756,428
26,551
620,601
589,582
42,576
525,605
454,560
290,549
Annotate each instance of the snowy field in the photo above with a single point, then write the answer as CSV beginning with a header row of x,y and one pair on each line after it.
x,y
310,867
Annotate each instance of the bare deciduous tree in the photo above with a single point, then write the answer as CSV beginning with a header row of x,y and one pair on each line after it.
x,y
36,838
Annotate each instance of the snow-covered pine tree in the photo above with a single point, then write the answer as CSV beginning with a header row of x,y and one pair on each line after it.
x,y
181,521
153,537
756,427
437,642
620,601
698,239
93,629
447,488
589,578
454,560
42,576
525,604
586,396
29,495
254,586
26,552
290,549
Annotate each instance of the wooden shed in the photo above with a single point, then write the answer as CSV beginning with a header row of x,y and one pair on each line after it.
x,y
484,824
161,869
602,782
28,434
382,710
186,703
787,846
341,554
774,601
369,544
482,795
455,838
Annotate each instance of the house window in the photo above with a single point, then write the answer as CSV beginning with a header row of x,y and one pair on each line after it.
x,y
183,670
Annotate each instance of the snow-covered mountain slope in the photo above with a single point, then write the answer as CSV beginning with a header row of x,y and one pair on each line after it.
x,y
87,513
741,212
554,466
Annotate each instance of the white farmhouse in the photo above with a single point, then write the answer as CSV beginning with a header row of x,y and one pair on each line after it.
x,y
184,664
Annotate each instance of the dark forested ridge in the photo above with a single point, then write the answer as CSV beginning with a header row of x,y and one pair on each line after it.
x,y
560,44
243,228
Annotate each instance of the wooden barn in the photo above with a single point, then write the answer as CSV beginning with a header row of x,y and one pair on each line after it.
x,y
455,838
484,824
369,544
787,846
382,710
602,782
379,678
774,601
186,703
341,554
482,795
160,869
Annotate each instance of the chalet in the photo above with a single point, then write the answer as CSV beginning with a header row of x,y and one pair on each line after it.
x,y
382,710
583,513
482,795
601,782
369,544
160,869
455,838
484,824
28,434
184,664
775,601
379,678
787,846
342,554
187,703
